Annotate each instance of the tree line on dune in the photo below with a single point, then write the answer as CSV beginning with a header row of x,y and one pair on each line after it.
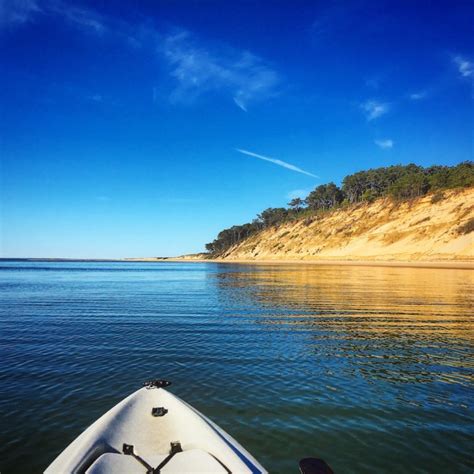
x,y
399,182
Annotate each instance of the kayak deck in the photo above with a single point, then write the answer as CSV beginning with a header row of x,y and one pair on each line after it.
x,y
151,429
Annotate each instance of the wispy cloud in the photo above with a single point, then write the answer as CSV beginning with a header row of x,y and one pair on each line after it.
x,y
385,143
464,66
17,12
374,109
95,98
199,69
420,95
83,18
284,164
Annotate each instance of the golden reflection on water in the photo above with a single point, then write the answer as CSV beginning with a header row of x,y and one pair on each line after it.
x,y
398,324
379,301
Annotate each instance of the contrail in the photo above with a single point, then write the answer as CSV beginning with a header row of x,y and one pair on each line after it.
x,y
240,104
277,162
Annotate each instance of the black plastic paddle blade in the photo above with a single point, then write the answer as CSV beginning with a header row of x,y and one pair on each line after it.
x,y
314,466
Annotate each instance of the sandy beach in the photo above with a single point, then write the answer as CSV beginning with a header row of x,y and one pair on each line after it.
x,y
457,264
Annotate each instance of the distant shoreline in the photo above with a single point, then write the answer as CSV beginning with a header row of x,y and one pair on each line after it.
x,y
455,265
461,264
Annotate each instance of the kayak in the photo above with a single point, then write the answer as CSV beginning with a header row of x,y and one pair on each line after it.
x,y
154,431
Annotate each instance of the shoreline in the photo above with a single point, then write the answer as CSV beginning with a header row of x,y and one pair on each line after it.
x,y
441,264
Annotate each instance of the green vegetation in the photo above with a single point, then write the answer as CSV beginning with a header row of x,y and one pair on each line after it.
x,y
396,182
325,196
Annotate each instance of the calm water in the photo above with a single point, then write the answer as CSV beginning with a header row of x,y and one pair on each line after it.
x,y
369,368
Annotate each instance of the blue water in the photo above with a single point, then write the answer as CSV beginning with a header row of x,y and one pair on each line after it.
x,y
369,368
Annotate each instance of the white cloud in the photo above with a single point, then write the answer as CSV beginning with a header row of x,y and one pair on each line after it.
x,y
385,143
284,164
200,69
465,67
374,109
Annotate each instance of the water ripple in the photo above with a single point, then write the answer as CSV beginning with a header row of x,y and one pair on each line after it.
x,y
369,368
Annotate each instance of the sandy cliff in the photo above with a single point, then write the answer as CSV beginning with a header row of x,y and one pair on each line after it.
x,y
419,230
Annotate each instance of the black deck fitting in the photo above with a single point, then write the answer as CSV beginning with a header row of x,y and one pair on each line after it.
x,y
127,449
159,411
175,447
157,383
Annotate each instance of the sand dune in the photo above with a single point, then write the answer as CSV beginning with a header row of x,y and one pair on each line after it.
x,y
414,231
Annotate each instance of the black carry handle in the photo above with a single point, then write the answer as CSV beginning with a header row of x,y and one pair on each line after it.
x,y
314,466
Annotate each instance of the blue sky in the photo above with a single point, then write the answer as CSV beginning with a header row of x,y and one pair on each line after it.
x,y
144,128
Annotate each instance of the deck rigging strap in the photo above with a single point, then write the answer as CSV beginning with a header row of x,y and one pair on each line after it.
x,y
128,449
175,449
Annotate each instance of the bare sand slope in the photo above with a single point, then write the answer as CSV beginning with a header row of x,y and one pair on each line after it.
x,y
384,231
